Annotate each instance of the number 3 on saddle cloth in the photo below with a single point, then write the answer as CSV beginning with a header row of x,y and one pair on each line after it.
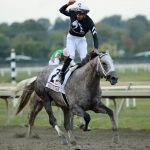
x,y
53,80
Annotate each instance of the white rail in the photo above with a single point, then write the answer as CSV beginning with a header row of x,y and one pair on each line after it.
x,y
142,91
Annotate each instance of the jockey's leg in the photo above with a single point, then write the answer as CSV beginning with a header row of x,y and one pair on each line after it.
x,y
64,68
71,47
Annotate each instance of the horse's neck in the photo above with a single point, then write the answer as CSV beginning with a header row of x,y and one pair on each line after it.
x,y
92,78
88,74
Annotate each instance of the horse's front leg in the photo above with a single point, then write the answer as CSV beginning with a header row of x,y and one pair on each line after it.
x,y
52,119
87,119
81,113
84,122
68,127
101,108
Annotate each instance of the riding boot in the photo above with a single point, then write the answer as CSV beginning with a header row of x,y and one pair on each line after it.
x,y
63,70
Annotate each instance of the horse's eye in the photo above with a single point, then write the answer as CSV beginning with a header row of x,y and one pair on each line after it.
x,y
104,64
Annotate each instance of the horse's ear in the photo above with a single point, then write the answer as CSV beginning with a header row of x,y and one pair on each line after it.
x,y
106,51
88,57
96,51
93,54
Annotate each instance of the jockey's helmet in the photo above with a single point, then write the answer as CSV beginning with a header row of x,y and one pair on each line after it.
x,y
81,8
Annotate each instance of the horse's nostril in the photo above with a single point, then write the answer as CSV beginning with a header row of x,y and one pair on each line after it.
x,y
114,78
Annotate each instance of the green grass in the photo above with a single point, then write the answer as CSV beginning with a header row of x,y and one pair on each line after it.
x,y
134,118
20,76
129,75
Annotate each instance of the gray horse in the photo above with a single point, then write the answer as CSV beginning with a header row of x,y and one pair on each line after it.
x,y
82,92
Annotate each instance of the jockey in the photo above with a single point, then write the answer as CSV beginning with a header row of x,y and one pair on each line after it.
x,y
80,24
59,56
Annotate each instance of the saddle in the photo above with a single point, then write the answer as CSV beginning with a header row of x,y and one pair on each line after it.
x,y
53,81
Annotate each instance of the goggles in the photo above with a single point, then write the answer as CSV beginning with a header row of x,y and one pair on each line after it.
x,y
80,13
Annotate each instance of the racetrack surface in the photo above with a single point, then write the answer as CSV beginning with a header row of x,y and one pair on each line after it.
x,y
43,138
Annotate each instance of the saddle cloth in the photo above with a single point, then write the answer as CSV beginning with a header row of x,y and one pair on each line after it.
x,y
53,82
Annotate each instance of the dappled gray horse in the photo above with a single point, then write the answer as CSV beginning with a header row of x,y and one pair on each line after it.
x,y
35,104
82,92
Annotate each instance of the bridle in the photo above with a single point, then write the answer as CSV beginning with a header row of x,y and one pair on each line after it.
x,y
100,55
100,63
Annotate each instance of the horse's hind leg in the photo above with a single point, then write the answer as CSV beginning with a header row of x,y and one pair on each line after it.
x,y
68,127
52,119
35,107
101,108
48,108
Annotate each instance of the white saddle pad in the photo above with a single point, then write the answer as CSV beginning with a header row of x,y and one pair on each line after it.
x,y
53,82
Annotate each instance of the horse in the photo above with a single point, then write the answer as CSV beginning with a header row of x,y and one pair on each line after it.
x,y
83,93
35,104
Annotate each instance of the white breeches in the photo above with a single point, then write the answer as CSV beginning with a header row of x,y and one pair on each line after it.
x,y
76,43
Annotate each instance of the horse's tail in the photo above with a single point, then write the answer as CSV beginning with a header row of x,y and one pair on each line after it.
x,y
24,98
22,84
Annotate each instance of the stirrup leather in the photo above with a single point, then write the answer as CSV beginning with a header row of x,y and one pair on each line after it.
x,y
61,77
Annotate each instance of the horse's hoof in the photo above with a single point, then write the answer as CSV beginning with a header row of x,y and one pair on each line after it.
x,y
64,141
85,130
82,126
77,147
116,139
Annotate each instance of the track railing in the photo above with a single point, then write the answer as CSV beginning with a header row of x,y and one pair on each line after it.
x,y
112,93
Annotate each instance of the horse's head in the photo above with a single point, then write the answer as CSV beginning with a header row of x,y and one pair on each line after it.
x,y
107,67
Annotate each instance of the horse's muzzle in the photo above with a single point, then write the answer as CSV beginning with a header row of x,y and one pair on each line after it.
x,y
112,78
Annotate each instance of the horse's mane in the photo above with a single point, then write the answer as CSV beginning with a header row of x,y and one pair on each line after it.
x,y
88,57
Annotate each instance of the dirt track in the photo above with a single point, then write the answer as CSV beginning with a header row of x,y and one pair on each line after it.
x,y
14,138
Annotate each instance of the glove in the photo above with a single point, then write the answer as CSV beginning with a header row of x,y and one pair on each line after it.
x,y
71,2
